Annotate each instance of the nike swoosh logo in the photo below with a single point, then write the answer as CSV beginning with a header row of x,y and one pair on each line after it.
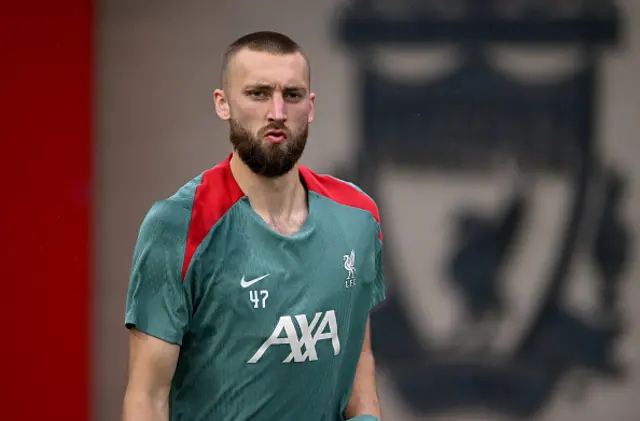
x,y
247,284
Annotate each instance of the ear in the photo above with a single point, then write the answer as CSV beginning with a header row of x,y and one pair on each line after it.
x,y
312,107
221,104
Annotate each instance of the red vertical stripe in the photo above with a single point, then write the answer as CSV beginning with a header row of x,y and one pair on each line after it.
x,y
46,74
216,194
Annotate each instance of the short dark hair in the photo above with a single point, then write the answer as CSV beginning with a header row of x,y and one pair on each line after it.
x,y
263,41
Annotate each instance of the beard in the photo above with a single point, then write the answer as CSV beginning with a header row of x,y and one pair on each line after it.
x,y
264,158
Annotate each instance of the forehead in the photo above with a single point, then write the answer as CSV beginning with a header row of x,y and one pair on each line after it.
x,y
256,67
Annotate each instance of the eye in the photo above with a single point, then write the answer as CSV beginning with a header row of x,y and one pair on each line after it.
x,y
258,94
293,96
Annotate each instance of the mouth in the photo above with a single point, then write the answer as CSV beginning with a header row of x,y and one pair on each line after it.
x,y
275,136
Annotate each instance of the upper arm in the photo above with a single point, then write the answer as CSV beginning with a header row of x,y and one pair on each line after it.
x,y
366,343
152,363
157,302
157,308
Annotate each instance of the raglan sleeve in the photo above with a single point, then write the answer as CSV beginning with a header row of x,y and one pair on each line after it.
x,y
157,302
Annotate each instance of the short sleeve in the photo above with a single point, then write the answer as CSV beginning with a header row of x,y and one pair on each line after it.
x,y
378,294
157,302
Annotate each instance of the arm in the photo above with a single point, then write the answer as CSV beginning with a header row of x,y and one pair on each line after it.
x,y
157,313
152,363
363,402
364,396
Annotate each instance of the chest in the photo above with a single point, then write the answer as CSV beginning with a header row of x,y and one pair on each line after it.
x,y
262,297
250,276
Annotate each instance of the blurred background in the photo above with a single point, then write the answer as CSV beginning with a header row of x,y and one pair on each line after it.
x,y
498,138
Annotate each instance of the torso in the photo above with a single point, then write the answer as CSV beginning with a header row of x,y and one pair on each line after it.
x,y
278,317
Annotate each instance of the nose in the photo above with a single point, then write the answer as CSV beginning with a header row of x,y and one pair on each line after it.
x,y
277,110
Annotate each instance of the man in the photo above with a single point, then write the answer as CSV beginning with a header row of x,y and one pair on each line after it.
x,y
251,287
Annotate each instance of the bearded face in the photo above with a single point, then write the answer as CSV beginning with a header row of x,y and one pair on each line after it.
x,y
269,106
271,151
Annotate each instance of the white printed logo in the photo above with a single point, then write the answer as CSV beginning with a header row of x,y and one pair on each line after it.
x,y
327,328
350,266
247,284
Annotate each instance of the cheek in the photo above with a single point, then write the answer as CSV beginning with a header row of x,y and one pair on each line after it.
x,y
247,110
249,121
300,115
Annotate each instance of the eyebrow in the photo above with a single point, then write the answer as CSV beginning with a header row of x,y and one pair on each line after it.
x,y
267,87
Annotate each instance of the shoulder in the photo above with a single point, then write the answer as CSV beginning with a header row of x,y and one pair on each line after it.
x,y
340,191
172,213
202,201
166,221
216,191
178,224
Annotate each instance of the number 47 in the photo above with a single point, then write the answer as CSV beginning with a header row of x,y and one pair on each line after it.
x,y
259,297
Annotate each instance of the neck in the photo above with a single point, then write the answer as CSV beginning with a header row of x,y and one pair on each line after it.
x,y
273,198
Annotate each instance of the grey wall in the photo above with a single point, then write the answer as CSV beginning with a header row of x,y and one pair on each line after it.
x,y
157,66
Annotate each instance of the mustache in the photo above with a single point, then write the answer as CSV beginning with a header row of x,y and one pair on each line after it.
x,y
275,126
